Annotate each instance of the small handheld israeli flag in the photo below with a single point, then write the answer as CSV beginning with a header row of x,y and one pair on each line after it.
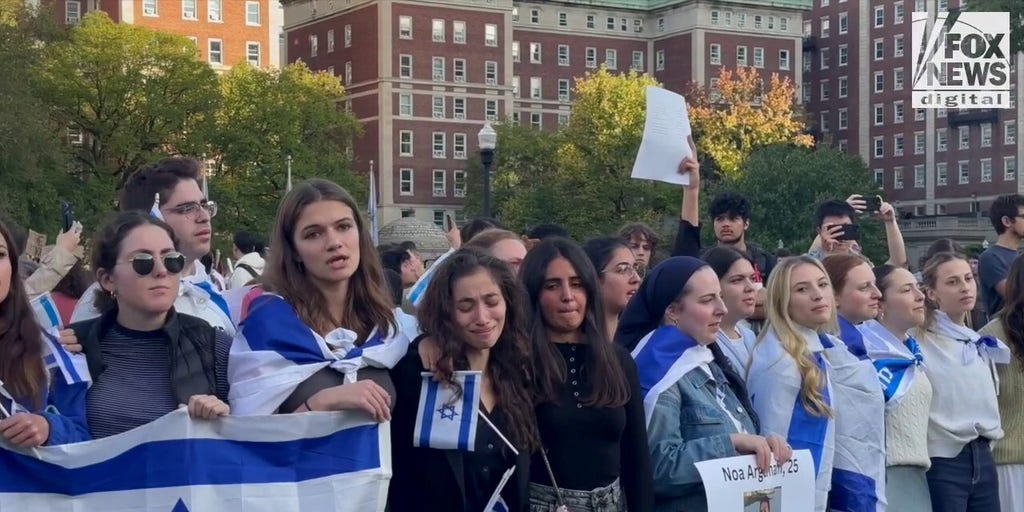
x,y
445,420
46,311
74,367
8,406
155,210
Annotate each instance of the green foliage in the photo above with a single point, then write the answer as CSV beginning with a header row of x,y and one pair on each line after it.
x,y
1016,10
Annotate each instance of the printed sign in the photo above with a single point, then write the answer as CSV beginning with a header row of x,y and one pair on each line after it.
x,y
736,484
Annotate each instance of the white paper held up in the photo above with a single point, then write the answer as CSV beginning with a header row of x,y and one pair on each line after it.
x,y
665,142
735,484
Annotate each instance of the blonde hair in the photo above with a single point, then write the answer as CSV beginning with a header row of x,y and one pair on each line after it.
x,y
930,279
812,379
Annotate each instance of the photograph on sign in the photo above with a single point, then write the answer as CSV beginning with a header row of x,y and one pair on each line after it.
x,y
736,484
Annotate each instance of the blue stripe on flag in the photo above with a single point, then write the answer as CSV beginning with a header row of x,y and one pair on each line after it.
x,y
215,296
250,462
428,411
278,329
57,350
469,391
852,492
806,431
51,311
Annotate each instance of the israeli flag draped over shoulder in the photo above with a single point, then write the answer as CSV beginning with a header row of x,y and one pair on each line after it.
x,y
274,351
319,462
662,358
897,362
73,367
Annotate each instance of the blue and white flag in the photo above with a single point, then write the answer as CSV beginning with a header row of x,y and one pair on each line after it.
x,y
274,351
419,289
154,211
446,420
46,311
662,358
896,362
74,367
319,462
8,406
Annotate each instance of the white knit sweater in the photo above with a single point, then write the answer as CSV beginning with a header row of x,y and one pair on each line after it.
x,y
906,425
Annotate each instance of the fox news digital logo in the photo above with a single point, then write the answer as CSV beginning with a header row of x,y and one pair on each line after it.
x,y
963,61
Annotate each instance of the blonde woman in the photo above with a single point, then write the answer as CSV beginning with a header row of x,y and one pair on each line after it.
x,y
807,387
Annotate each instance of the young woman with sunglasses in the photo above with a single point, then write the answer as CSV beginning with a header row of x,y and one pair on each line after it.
x,y
49,409
617,272
145,359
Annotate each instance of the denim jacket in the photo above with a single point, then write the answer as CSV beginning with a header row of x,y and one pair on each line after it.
x,y
686,427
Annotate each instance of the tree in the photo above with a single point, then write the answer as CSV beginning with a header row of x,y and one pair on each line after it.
x,y
741,115
136,94
1016,10
264,117
785,184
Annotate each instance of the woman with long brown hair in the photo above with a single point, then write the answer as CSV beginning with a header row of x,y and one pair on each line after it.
x,y
473,313
323,334
49,410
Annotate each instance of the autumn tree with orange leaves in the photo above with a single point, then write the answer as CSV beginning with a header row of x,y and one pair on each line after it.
x,y
744,113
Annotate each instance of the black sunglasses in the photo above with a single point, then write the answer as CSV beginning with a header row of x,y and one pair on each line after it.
x,y
144,263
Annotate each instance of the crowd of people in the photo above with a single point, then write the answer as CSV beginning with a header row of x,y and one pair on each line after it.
x,y
904,392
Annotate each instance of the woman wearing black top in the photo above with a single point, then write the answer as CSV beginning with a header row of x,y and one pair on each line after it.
x,y
589,407
473,310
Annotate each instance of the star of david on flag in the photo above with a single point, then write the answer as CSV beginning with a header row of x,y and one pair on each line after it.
x,y
446,420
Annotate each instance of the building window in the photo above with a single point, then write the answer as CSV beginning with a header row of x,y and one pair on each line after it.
x,y
491,110
150,8
515,86
439,146
805,89
591,21
459,70
897,46
918,114
879,16
897,79
879,147
825,58
491,72
844,119
741,56
897,111
535,16
330,41
535,87
758,21
459,183
515,14
714,54
919,143
824,27
490,34
515,51
252,13
405,143
758,57
784,23
437,31
215,10
535,53
638,61
879,81
405,105
715,17
609,23
563,19
1009,168
986,170
405,27
844,87
563,118
965,172
897,13
405,66
459,108
73,12
439,185
823,122
437,107
405,182
941,174
843,145
986,135
188,9
437,69
825,91
784,60
965,137
880,177
348,36
459,32
252,54
563,89
563,55
536,120
940,139
844,23
659,60
314,46
879,49
897,177
1009,132
879,114
216,51
611,59
459,146
897,145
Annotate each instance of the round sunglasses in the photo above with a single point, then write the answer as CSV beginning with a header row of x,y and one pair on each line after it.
x,y
143,263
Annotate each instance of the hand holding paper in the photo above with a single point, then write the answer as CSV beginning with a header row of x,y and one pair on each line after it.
x,y
665,141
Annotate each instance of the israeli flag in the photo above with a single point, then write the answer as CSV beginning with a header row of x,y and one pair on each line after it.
x,y
8,406
74,367
446,420
896,362
420,287
46,312
319,462
662,358
154,211
273,352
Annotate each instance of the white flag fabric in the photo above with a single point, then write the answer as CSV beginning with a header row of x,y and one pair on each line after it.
x,y
74,367
446,421
316,462
46,311
419,289
662,358
154,211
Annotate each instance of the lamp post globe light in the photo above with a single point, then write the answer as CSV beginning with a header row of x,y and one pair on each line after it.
x,y
487,140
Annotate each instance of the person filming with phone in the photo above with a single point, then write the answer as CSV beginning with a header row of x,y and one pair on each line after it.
x,y
839,234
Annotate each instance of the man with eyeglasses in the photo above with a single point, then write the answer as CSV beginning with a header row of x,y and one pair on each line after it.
x,y
189,214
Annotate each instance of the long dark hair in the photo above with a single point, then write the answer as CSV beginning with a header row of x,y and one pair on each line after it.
x,y
1012,315
107,246
606,377
21,342
509,363
368,302
600,251
721,259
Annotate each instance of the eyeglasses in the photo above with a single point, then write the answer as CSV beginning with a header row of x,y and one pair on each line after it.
x,y
191,209
625,269
143,263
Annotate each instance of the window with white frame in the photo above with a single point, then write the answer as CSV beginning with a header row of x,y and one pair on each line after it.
x,y
844,87
459,108
150,8
879,143
490,34
805,92
879,81
661,24
880,177
825,58
808,61
918,114
965,172
563,89
563,118
638,61
439,146
536,120
715,54
897,46
844,119
405,104
563,55
515,51
591,57
784,23
215,10
535,53
897,79
437,107
844,23
188,9
609,23
897,12
758,21
535,87
965,137
1009,168
405,182
252,14
330,40
73,12
459,183
348,72
823,121
986,135
758,57
919,143
919,176
986,170
826,91
920,5
439,183
741,56
348,36
437,69
659,60
715,17
459,70
784,60
727,18
405,27
897,177
611,59
879,16
897,144
439,216
405,66
808,28
314,45
941,139
879,114
491,72
741,19
216,51
941,174
515,86
1010,132
824,27
879,49
405,143
437,30
534,16
252,54
897,111
563,19
459,146
459,32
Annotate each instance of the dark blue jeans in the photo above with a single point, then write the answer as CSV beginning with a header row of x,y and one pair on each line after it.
x,y
967,482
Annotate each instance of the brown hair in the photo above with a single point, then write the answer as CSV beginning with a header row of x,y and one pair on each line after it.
x,y
107,247
930,278
488,237
1011,317
21,341
367,304
838,268
159,178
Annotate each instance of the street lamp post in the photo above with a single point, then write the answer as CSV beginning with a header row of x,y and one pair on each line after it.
x,y
288,186
488,140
